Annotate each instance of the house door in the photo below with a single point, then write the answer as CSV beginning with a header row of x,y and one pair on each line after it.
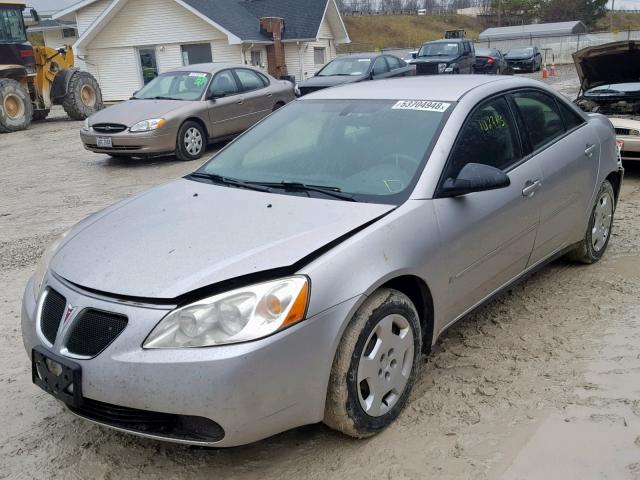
x,y
148,64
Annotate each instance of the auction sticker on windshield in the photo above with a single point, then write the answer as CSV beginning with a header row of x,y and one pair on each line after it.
x,y
422,105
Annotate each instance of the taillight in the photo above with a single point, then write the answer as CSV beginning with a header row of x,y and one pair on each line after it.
x,y
491,60
26,53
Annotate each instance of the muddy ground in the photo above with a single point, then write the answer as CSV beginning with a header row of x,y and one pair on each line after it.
x,y
543,383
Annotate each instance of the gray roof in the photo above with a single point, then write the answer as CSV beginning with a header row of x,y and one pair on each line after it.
x,y
49,24
533,30
242,17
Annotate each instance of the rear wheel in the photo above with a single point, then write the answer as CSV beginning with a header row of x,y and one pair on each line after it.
x,y
596,238
277,106
375,366
191,141
16,109
84,97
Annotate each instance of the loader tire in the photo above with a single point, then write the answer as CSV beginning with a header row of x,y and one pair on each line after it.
x,y
39,115
83,97
15,106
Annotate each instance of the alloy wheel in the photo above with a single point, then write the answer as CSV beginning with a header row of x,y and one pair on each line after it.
x,y
193,141
603,216
385,365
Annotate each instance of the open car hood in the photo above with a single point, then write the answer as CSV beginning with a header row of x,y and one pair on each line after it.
x,y
617,62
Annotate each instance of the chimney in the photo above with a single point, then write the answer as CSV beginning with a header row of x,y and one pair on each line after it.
x,y
274,27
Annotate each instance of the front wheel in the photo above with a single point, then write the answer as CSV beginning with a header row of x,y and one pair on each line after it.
x,y
596,238
191,141
83,97
375,366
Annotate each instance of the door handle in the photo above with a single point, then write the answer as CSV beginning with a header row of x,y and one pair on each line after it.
x,y
531,187
589,150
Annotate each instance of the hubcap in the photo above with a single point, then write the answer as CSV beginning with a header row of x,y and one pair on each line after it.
x,y
385,365
603,216
14,106
193,141
88,95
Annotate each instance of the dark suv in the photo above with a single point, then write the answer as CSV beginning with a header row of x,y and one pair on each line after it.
x,y
455,55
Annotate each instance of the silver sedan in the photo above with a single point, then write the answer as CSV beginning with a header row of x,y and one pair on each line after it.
x,y
300,274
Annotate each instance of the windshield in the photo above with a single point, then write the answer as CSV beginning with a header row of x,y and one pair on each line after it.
x,y
440,49
520,52
484,52
371,149
175,86
11,26
346,66
632,88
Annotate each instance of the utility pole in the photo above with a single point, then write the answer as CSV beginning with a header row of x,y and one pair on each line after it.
x,y
499,13
613,7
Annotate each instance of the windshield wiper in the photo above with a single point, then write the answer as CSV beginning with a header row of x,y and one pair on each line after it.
x,y
303,187
230,181
160,97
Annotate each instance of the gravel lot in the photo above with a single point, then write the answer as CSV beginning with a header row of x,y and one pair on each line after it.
x,y
542,383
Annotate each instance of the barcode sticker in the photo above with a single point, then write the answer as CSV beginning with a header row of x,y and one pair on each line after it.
x,y
421,105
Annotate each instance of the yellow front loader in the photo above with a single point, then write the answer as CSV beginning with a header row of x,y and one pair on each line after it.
x,y
32,79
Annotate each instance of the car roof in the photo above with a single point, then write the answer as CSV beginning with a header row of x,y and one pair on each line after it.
x,y
432,87
448,40
363,55
212,67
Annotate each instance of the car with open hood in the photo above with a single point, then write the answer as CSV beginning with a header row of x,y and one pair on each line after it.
x,y
183,110
610,84
300,274
356,68
451,56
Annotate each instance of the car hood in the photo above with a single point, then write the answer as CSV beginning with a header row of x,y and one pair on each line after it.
x,y
331,80
435,59
185,235
133,111
519,57
616,62
625,123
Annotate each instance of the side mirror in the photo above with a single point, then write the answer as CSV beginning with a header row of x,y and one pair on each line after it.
x,y
215,94
34,15
475,177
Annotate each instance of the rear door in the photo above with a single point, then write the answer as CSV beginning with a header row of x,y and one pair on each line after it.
x,y
258,99
226,110
490,234
568,152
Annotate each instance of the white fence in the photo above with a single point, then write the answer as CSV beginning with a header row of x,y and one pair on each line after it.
x,y
560,49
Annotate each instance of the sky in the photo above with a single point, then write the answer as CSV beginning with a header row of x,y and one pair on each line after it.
x,y
626,4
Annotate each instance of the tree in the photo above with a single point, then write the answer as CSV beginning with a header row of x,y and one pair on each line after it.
x,y
589,11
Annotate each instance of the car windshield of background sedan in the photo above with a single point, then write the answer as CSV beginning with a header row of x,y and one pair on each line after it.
x,y
373,150
520,52
346,66
175,86
442,49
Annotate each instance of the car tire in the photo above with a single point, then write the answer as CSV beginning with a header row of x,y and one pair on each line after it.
x,y
191,142
380,348
16,109
277,106
596,239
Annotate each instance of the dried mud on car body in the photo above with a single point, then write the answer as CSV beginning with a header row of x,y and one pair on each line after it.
x,y
541,383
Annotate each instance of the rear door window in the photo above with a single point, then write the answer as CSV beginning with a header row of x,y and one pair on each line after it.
x,y
540,115
571,119
394,63
249,80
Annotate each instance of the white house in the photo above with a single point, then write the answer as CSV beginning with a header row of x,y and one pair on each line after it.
x,y
124,43
56,33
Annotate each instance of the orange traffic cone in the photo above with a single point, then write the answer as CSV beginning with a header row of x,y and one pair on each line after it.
x,y
553,70
545,74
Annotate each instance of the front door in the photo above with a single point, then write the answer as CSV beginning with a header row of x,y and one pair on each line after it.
x,y
490,234
148,64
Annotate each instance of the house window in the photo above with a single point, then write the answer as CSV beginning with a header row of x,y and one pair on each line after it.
x,y
68,32
319,55
256,58
196,53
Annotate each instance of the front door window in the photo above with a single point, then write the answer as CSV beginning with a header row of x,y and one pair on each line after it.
x,y
148,64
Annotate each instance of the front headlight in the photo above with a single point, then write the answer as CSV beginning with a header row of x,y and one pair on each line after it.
x,y
635,133
237,316
148,125
86,125
442,67
450,68
43,264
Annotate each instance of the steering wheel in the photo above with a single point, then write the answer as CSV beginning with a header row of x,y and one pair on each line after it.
x,y
409,164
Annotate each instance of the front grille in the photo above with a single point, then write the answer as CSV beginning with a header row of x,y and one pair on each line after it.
x,y
109,127
307,90
51,315
118,147
426,68
93,331
167,425
623,131
626,154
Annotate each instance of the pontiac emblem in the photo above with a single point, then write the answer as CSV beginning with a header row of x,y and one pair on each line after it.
x,y
68,313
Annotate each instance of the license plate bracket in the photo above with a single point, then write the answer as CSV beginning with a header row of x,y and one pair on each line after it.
x,y
57,376
104,142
